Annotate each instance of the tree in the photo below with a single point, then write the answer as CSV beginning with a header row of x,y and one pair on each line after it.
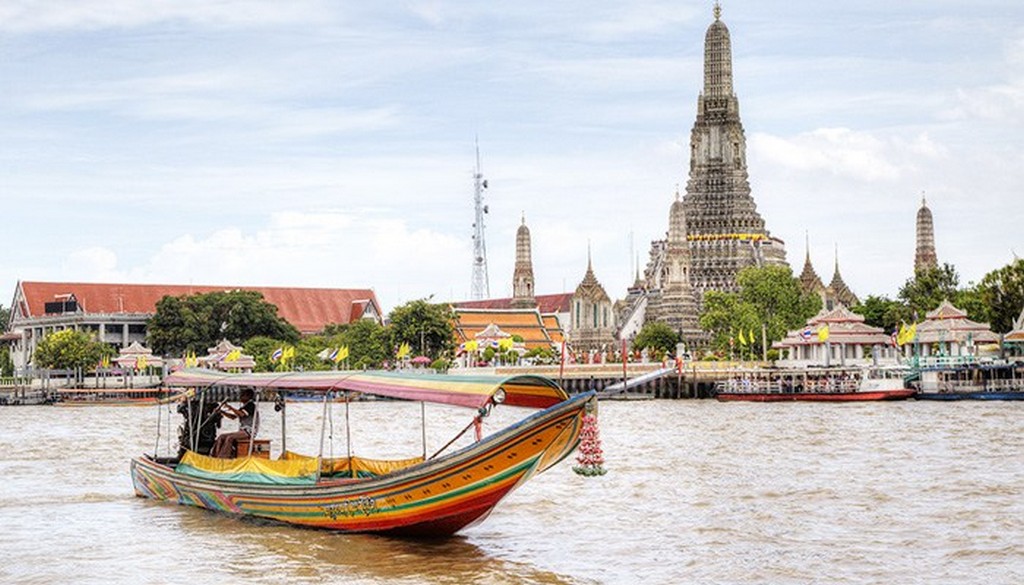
x,y
5,317
658,336
368,343
769,296
779,303
1001,293
426,327
196,322
928,288
70,349
881,311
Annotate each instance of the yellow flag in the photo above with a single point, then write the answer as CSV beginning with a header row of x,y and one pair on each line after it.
x,y
342,354
912,333
140,362
505,344
743,340
823,334
472,345
403,351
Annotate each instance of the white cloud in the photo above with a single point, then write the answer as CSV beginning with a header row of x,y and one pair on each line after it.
x,y
328,248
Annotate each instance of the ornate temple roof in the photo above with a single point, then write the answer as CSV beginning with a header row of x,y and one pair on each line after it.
x,y
589,287
839,290
809,280
528,324
844,326
947,324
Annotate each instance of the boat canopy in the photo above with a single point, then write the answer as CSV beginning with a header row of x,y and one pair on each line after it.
x,y
470,391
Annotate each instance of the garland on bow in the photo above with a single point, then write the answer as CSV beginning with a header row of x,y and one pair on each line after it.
x,y
590,456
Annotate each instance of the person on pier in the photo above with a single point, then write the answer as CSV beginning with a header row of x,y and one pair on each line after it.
x,y
226,445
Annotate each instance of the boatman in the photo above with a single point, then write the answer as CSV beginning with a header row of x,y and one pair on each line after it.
x,y
226,444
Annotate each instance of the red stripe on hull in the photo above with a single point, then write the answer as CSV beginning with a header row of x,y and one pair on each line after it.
x,y
816,396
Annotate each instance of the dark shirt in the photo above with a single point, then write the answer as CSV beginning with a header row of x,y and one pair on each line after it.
x,y
245,422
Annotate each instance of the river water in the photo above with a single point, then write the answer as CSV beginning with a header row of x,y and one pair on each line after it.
x,y
697,492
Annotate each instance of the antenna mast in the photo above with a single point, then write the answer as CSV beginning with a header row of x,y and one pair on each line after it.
x,y
481,284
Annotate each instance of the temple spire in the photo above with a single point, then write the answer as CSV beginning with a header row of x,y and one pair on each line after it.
x,y
717,10
925,257
522,275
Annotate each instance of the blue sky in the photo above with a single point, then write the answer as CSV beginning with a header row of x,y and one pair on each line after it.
x,y
315,143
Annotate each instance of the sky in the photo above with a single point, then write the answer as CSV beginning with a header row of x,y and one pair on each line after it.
x,y
331,144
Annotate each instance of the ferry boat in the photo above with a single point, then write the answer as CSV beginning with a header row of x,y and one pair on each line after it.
x,y
839,384
968,379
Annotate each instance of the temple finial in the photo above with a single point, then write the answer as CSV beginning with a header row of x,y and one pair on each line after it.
x,y
807,244
589,264
718,10
924,202
524,217
837,258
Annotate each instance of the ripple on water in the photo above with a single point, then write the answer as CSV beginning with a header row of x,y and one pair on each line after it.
x,y
697,492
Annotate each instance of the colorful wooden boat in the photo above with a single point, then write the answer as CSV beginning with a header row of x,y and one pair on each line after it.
x,y
814,385
435,497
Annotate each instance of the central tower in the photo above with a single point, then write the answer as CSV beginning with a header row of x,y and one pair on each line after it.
x,y
725,231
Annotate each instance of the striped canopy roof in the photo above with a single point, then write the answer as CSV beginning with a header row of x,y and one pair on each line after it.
x,y
468,391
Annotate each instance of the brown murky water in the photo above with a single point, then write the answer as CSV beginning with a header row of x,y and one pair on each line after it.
x,y
697,492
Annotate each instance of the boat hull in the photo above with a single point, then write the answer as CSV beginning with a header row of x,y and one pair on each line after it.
x,y
954,396
436,498
866,396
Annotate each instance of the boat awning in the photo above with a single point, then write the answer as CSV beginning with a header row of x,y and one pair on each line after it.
x,y
470,391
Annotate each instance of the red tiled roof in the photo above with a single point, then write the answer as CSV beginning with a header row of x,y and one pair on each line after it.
x,y
556,303
308,309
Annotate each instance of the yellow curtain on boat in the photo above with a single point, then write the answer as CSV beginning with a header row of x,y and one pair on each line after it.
x,y
249,469
364,467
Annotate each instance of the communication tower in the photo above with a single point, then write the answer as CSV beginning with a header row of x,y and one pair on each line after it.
x,y
481,283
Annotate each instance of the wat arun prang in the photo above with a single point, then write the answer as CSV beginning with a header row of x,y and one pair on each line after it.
x,y
724,231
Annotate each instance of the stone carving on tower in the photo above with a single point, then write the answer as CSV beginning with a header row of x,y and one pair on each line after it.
x,y
675,303
925,257
591,315
726,233
522,275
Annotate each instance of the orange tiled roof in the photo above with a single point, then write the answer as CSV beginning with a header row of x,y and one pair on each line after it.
x,y
526,323
308,309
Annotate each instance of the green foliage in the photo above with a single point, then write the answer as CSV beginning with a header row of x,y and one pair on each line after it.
x,y
6,365
541,355
658,336
488,354
369,343
426,327
999,297
261,348
769,296
5,317
196,322
927,289
68,349
440,365
882,312
778,301
725,315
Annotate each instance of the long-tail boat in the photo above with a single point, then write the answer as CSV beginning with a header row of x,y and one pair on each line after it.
x,y
422,496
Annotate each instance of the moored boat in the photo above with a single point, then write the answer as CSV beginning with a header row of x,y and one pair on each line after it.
x,y
425,496
968,379
814,385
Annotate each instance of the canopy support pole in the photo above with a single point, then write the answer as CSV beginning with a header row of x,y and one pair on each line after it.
x,y
423,427
284,423
323,429
348,435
